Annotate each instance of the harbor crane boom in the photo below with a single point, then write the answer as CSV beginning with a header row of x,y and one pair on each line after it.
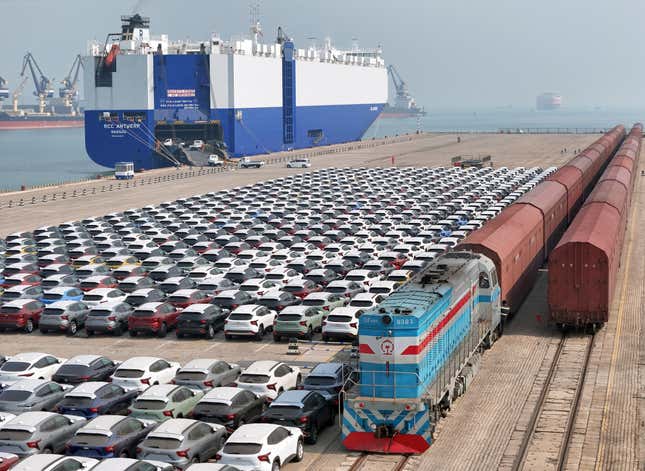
x,y
69,90
41,82
399,84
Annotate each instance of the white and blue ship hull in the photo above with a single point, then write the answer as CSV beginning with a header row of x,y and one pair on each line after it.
x,y
257,103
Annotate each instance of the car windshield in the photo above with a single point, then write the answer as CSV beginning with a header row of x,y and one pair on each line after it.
x,y
73,370
125,373
190,376
313,302
320,380
269,302
337,318
14,396
242,448
253,379
396,278
75,401
355,277
89,439
336,289
240,317
143,313
12,366
249,288
149,404
380,290
162,443
92,297
13,435
289,317
100,312
89,284
53,312
10,310
273,276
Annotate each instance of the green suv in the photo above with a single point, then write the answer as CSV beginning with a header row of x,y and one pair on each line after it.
x,y
165,401
298,321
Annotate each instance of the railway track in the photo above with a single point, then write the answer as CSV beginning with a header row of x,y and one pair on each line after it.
x,y
545,444
376,462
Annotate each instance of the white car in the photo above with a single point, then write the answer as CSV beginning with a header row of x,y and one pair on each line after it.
x,y
342,323
363,276
130,464
269,378
264,447
142,372
299,163
33,365
50,462
385,287
366,300
249,320
256,287
98,296
283,275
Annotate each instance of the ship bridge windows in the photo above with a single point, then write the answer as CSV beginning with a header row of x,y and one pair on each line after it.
x,y
133,116
109,117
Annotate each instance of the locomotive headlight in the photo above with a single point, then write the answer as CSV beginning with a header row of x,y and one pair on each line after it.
x,y
387,320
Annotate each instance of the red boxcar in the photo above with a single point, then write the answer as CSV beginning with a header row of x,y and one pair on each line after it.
x,y
583,268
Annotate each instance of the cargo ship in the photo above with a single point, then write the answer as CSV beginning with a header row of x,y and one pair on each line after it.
x,y
34,120
548,101
404,104
148,98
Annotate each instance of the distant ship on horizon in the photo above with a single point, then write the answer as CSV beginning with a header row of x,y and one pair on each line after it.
x,y
548,101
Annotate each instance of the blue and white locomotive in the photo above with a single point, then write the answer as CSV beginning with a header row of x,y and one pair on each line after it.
x,y
419,350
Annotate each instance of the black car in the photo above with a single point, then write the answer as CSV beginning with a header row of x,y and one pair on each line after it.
x,y
329,379
200,319
230,407
230,299
308,410
109,436
82,368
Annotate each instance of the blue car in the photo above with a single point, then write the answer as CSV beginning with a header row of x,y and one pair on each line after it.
x,y
109,436
94,398
61,293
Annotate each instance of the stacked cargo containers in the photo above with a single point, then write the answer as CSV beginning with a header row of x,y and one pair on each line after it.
x,y
583,268
521,237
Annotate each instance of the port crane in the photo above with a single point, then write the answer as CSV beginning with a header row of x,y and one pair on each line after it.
x,y
43,84
4,91
399,84
69,90
16,94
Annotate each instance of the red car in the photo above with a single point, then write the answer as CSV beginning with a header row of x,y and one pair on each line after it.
x,y
99,281
22,279
302,287
185,297
21,314
7,460
201,247
395,259
153,318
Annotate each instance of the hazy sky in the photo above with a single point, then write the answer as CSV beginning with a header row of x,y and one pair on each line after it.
x,y
453,54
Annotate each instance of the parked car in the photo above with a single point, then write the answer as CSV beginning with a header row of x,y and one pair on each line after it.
x,y
99,281
54,462
94,398
182,442
61,293
269,378
8,460
83,368
131,464
200,320
324,301
31,395
110,317
29,365
185,297
229,406
301,287
21,314
297,321
249,320
154,318
33,433
329,379
229,300
307,410
63,316
109,436
205,373
342,323
165,401
142,372
21,292
145,295
264,447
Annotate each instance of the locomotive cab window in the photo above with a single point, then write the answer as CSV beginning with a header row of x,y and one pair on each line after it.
x,y
484,282
493,277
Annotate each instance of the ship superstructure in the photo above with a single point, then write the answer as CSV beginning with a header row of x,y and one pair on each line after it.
x,y
146,96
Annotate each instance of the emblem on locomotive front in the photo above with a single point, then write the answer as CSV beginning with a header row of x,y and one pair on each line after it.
x,y
387,347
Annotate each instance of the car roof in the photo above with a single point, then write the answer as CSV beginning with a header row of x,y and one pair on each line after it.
x,y
184,292
292,397
100,291
172,427
261,366
30,419
30,357
252,433
326,369
87,389
158,391
62,304
149,306
82,360
223,393
199,363
38,461
18,302
295,309
197,308
138,361
319,295
102,422
27,384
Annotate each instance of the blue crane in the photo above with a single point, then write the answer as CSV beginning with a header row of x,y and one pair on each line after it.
x,y
41,82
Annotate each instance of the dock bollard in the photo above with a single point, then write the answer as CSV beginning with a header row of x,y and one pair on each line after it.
x,y
64,194
293,349
33,200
